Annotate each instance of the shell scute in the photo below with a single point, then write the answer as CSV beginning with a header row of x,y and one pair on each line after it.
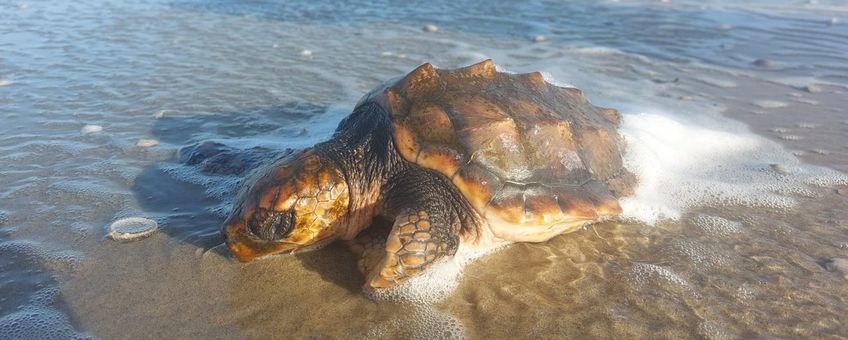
x,y
575,204
499,147
477,183
432,123
606,203
541,207
509,204
442,157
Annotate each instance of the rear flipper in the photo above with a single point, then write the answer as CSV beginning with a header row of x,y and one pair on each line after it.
x,y
219,159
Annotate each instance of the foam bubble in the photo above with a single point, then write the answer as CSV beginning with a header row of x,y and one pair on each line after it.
x,y
713,331
652,274
61,261
698,253
644,271
420,322
705,161
37,318
791,137
438,281
551,79
38,322
717,225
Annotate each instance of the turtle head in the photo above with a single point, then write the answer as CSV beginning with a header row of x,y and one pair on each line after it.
x,y
296,204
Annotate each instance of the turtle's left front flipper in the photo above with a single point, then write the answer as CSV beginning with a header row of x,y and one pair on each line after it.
x,y
429,214
418,239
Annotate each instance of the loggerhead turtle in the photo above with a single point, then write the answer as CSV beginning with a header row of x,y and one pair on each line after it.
x,y
470,155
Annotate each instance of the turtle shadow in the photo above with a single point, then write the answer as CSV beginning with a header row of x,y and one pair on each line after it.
x,y
336,264
188,193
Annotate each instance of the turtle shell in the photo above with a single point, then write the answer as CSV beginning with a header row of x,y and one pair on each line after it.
x,y
519,149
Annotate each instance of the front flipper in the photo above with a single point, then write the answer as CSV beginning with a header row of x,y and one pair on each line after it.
x,y
419,238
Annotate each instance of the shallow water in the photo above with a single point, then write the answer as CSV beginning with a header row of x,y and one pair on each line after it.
x,y
743,237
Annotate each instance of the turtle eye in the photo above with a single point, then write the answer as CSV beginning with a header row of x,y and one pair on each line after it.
x,y
269,225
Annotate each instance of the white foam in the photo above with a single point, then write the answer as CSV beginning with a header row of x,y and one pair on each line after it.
x,y
717,225
67,261
438,281
714,331
698,253
318,129
551,79
420,322
38,320
709,161
643,272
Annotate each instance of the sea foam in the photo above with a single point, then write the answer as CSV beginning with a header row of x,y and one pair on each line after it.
x,y
683,163
438,281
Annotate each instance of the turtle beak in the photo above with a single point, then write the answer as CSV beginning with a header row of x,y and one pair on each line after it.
x,y
233,234
245,247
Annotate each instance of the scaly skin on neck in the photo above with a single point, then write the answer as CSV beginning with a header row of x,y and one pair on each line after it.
x,y
364,151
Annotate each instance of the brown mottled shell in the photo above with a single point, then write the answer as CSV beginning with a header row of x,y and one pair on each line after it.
x,y
516,146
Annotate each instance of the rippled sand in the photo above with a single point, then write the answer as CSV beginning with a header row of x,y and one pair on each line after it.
x,y
98,97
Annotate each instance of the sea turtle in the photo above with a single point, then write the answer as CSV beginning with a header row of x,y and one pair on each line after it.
x,y
471,155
